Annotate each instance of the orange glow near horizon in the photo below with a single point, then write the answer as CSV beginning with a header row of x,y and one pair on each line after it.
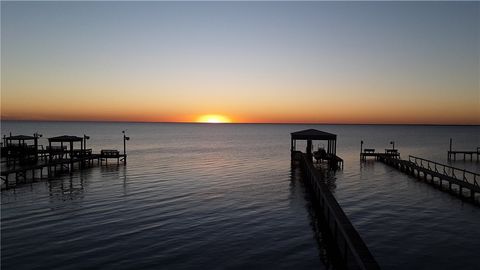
x,y
342,112
241,63
213,118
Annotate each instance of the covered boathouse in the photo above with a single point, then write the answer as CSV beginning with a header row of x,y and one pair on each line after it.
x,y
311,135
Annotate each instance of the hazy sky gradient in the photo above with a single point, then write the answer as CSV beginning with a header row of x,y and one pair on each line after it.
x,y
336,62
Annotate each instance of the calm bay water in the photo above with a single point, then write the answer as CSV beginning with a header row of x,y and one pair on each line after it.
x,y
224,196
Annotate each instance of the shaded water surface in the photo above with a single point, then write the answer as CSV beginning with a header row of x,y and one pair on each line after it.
x,y
224,196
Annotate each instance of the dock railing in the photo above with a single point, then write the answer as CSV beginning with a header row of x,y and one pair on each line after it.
x,y
354,252
457,173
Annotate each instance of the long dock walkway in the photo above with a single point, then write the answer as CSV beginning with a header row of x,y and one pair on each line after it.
x,y
353,251
437,174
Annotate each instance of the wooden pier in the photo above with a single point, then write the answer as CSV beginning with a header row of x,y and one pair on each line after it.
x,y
23,162
13,176
438,174
453,154
370,152
465,154
352,249
377,156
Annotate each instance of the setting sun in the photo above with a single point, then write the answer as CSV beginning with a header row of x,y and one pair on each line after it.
x,y
213,118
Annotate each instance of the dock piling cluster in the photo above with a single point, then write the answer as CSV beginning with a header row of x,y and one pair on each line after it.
x,y
451,153
24,160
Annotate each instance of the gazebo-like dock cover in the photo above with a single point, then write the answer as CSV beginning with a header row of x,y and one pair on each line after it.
x,y
65,139
314,135
22,150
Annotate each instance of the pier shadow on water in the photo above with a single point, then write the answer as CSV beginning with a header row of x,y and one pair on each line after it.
x,y
66,188
328,252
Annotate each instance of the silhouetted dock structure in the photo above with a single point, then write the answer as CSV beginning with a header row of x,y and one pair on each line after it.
x,y
329,155
370,152
24,161
451,153
438,174
20,149
353,251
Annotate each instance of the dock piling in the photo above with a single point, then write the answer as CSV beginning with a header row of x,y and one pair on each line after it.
x,y
125,139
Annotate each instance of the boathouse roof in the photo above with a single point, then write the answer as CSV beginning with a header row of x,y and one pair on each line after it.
x,y
20,137
313,134
65,138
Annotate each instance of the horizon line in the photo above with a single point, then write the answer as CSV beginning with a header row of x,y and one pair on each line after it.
x,y
233,123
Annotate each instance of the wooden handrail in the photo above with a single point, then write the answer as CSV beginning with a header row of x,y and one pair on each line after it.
x,y
352,241
453,169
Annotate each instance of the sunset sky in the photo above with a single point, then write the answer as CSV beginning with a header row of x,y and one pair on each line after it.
x,y
318,62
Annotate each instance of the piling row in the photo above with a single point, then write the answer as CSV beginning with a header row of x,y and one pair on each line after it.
x,y
453,154
436,174
14,176
22,160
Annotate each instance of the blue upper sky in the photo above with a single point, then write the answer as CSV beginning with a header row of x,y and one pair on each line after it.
x,y
224,57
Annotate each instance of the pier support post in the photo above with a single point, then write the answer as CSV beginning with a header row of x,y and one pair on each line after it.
x,y
50,152
71,157
361,149
125,139
450,151
309,149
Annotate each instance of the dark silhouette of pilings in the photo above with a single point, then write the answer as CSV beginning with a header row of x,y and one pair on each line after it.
x,y
438,174
451,154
